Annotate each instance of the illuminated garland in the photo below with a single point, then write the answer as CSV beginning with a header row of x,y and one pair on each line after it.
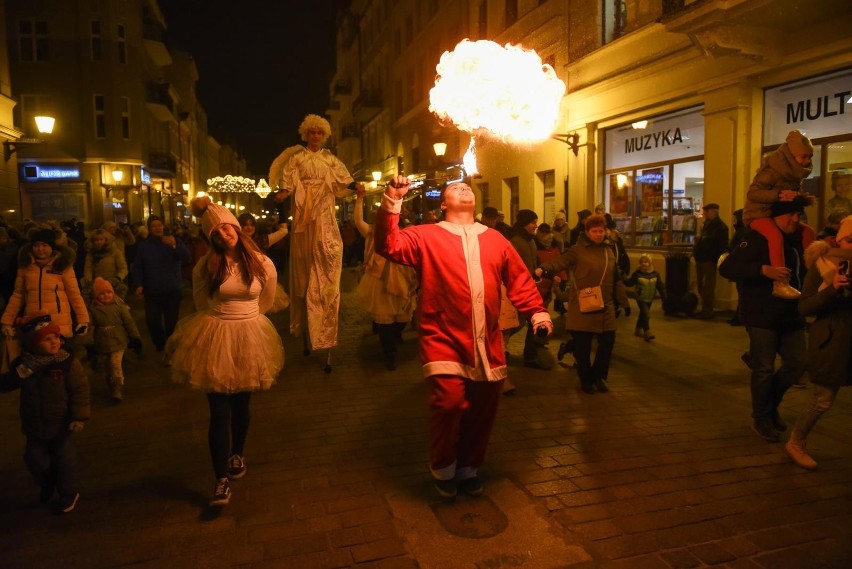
x,y
233,184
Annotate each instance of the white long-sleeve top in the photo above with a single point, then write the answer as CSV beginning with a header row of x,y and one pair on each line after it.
x,y
234,300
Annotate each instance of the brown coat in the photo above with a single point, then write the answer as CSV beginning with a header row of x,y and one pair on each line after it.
x,y
589,262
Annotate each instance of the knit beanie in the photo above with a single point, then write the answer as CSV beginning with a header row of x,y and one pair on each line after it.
x,y
526,216
100,286
796,205
35,327
845,229
43,235
212,215
799,143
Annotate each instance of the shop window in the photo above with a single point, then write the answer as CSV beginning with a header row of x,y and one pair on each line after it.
x,y
548,184
836,188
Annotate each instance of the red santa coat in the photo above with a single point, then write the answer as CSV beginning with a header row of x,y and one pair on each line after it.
x,y
460,268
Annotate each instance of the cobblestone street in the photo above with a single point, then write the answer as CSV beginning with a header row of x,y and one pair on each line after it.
x,y
663,471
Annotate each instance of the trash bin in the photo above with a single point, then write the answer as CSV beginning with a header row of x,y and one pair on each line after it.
x,y
679,299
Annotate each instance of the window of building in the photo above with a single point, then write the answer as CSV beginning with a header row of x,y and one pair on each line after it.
x,y
125,118
654,179
514,187
483,19
122,44
32,40
99,104
511,12
96,41
548,184
614,19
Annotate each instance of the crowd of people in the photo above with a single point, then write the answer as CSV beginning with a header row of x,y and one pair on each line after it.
x,y
469,283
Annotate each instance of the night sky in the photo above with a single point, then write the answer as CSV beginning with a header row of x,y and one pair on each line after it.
x,y
263,65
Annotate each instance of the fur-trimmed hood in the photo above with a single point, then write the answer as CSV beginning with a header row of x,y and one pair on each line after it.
x,y
825,258
62,258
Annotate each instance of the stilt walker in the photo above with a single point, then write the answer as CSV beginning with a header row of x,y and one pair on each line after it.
x,y
313,177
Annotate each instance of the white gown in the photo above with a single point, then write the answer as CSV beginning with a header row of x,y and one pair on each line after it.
x,y
229,345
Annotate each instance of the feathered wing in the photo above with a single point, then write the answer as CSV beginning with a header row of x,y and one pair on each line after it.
x,y
276,170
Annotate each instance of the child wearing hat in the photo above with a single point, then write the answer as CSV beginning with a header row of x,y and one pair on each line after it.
x,y
114,330
54,406
46,283
779,179
648,283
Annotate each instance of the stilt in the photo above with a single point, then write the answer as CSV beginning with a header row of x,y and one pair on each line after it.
x,y
327,368
305,333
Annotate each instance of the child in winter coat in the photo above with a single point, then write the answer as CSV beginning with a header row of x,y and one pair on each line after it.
x,y
647,282
46,283
114,332
779,179
54,406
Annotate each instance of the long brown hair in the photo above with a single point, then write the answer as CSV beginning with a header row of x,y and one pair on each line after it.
x,y
249,258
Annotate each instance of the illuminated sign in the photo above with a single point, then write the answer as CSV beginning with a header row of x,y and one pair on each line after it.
x,y
432,193
50,172
144,176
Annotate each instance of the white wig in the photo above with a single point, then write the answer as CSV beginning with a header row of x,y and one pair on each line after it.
x,y
314,121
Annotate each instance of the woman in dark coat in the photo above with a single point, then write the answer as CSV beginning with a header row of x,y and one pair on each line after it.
x,y
826,296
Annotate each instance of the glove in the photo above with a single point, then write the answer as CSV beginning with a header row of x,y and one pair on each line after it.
x,y
8,331
627,311
135,344
76,426
81,329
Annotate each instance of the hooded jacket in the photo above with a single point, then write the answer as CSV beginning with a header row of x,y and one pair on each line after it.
x,y
778,171
51,287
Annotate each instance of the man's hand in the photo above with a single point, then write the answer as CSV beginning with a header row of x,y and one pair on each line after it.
x,y
398,187
81,330
544,329
139,291
282,195
840,281
787,195
170,241
76,426
360,191
775,273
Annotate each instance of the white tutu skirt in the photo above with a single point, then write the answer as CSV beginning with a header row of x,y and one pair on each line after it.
x,y
225,356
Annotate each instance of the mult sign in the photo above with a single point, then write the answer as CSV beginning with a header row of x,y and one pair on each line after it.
x,y
50,173
819,107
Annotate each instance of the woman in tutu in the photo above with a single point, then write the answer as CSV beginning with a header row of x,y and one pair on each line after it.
x,y
228,348
387,290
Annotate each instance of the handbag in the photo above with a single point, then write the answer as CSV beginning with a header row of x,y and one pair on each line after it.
x,y
591,299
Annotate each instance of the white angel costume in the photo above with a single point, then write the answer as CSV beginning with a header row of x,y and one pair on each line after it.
x,y
314,180
229,345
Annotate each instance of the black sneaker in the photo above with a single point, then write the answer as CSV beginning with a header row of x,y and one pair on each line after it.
x,y
446,488
472,486
46,493
765,430
221,493
236,467
778,422
67,503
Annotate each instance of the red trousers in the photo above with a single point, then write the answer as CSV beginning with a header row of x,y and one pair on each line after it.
x,y
766,227
461,416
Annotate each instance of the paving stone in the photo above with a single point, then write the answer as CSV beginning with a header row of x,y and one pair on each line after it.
x,y
680,559
712,553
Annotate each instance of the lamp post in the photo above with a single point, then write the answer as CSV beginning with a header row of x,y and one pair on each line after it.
x,y
44,124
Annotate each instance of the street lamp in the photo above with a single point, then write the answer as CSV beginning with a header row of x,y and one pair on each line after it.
x,y
440,148
44,124
117,176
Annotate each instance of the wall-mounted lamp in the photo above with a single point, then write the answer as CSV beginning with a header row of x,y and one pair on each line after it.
x,y
185,187
44,124
639,125
377,176
117,176
571,139
440,148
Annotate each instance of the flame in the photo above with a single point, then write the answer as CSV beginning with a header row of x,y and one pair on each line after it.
x,y
504,92
469,160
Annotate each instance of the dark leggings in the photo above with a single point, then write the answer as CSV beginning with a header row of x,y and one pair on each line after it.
x,y
587,370
229,423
